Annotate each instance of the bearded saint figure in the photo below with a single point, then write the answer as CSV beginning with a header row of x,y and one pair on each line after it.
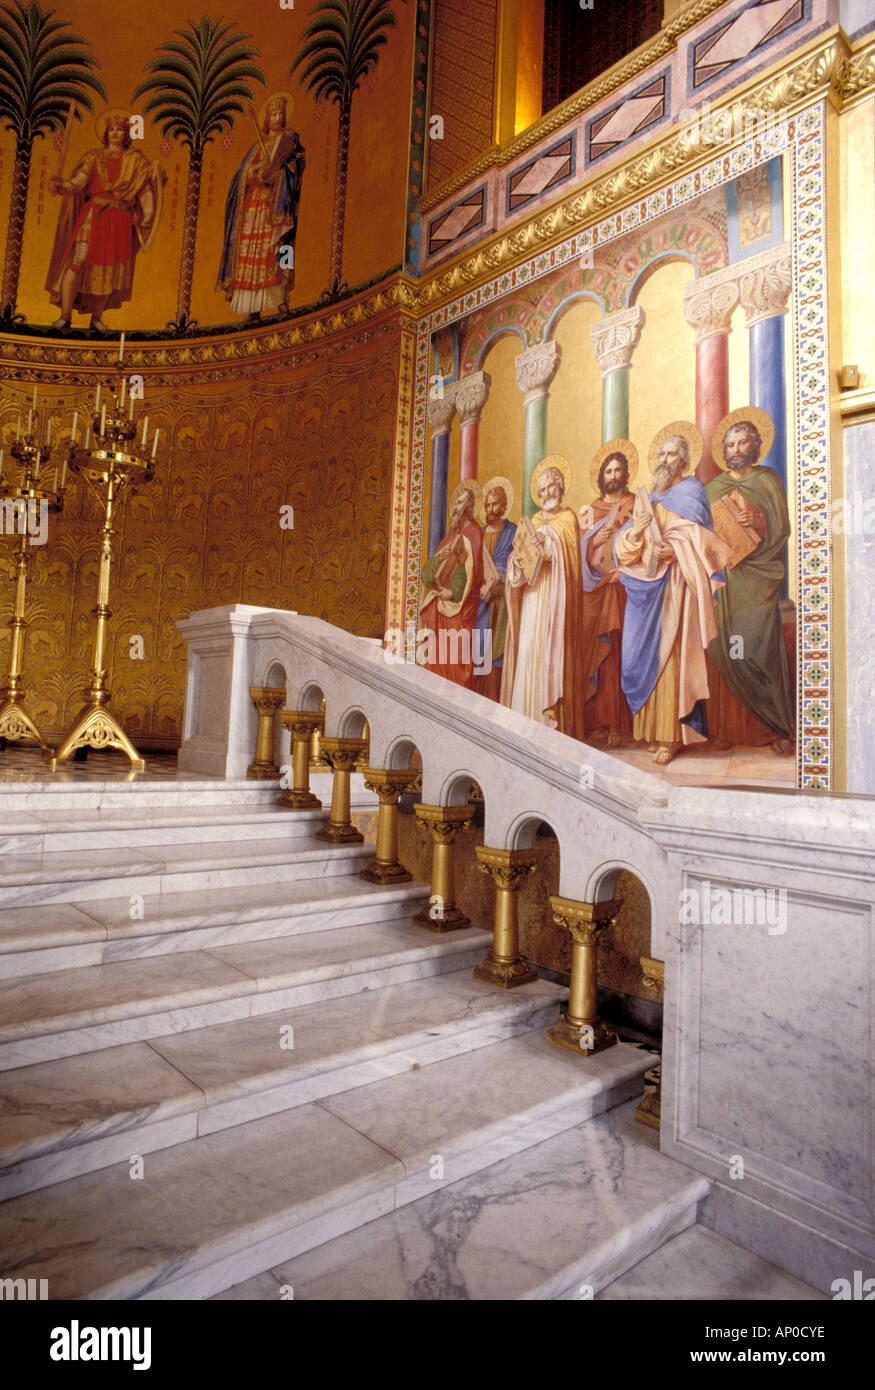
x,y
452,579
604,598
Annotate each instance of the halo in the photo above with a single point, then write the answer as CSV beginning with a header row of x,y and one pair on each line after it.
x,y
472,485
614,446
509,490
102,120
691,433
761,418
550,461
262,110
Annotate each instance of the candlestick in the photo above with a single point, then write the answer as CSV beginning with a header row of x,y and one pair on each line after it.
x,y
121,348
75,423
145,430
97,399
131,410
155,442
103,419
49,432
87,436
36,468
124,386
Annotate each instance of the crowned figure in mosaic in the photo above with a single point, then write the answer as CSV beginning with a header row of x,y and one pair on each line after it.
x,y
257,269
671,566
604,598
752,691
110,210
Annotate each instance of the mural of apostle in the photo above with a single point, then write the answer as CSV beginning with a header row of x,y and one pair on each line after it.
x,y
752,693
671,562
498,535
452,579
604,598
261,216
110,210
543,672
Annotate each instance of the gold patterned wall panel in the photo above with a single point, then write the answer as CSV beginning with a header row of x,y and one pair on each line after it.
x,y
462,84
207,530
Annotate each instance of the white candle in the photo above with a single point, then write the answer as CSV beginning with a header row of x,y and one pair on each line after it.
x,y
87,436
75,423
131,410
121,348
18,436
34,398
55,482
36,469
29,421
103,419
145,430
155,442
97,399
49,432
124,388
64,474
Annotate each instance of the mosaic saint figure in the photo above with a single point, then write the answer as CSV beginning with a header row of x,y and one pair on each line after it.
x,y
498,534
261,218
110,210
604,598
452,579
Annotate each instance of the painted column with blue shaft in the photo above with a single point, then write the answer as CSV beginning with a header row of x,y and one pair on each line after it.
x,y
441,409
535,370
765,281
614,339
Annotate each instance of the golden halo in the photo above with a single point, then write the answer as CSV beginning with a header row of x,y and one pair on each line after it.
x,y
268,101
550,461
761,418
103,119
509,491
614,446
472,485
690,432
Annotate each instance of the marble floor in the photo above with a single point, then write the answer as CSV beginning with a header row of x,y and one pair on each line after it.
x,y
702,767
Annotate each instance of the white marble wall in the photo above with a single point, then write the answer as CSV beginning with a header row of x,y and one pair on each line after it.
x,y
860,580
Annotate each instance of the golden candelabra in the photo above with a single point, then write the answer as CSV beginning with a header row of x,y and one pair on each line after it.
x,y
21,505
112,472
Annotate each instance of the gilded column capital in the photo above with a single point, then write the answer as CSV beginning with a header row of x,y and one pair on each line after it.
x,y
389,783
470,394
585,921
343,753
267,698
508,867
615,338
301,723
709,302
441,409
444,822
535,370
765,282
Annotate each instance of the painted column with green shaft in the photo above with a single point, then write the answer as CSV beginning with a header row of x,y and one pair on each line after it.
x,y
614,339
535,370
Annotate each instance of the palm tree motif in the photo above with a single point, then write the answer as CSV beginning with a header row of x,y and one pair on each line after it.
x,y
43,71
342,46
199,85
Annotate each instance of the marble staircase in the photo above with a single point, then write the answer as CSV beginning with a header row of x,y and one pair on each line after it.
x,y
222,1052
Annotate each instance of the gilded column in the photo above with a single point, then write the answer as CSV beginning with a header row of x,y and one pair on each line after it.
x,y
535,370
302,724
648,1112
267,700
441,409
504,966
614,340
708,306
470,394
342,754
443,824
579,1028
388,784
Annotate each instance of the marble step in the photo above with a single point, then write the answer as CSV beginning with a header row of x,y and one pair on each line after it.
x,y
214,1210
59,876
62,1118
95,829
700,1265
60,935
33,795
558,1221
66,1012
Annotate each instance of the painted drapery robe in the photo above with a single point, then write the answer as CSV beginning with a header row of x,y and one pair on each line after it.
x,y
97,233
543,674
669,619
449,623
261,223
492,614
755,672
604,602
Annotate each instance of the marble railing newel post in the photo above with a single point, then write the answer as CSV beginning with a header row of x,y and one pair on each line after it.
x,y
267,700
504,966
443,824
535,370
388,784
579,1028
302,724
342,754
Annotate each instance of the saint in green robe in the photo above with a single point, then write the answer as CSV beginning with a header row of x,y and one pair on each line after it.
x,y
747,607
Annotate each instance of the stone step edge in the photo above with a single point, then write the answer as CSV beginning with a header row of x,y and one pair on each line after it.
x,y
344,1071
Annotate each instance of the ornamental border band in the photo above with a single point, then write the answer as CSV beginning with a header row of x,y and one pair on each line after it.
x,y
653,615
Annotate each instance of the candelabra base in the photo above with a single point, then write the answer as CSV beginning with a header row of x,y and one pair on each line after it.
x,y
16,726
96,728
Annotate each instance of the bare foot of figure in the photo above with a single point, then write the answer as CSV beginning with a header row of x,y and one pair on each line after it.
x,y
613,739
599,735
784,745
665,754
652,747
